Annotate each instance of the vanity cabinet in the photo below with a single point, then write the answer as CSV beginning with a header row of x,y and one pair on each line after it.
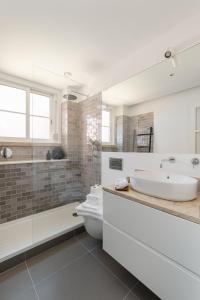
x,y
160,249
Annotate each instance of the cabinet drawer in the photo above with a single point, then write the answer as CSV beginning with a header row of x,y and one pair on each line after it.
x,y
174,237
163,276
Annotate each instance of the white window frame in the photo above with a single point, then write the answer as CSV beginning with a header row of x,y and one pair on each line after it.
x,y
54,111
111,133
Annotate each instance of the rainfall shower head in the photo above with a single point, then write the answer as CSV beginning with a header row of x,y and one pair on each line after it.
x,y
70,94
70,97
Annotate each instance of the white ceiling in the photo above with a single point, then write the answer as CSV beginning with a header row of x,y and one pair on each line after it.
x,y
156,81
85,37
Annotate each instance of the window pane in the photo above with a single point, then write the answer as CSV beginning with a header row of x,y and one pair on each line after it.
x,y
198,118
12,99
105,118
39,128
39,105
12,125
105,134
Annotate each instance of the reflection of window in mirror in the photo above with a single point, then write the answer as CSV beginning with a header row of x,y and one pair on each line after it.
x,y
106,127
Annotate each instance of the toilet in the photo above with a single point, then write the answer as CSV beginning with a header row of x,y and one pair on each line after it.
x,y
92,212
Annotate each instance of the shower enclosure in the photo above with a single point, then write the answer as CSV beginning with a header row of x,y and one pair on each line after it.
x,y
38,195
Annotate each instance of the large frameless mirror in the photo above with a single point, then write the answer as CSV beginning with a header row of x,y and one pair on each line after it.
x,y
157,110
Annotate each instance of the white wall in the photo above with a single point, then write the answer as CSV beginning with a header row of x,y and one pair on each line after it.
x,y
133,161
174,120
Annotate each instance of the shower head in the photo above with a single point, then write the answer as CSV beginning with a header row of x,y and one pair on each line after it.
x,y
71,93
70,97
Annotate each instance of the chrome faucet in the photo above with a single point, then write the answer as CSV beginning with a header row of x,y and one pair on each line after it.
x,y
170,159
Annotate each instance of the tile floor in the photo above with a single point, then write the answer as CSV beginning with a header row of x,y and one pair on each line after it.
x,y
77,269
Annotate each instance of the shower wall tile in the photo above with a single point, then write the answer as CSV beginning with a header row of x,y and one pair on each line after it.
x,y
127,128
26,189
81,126
143,122
27,152
91,147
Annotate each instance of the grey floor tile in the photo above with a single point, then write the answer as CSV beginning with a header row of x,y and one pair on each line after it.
x,y
50,261
85,279
131,296
16,282
28,294
143,293
88,241
127,278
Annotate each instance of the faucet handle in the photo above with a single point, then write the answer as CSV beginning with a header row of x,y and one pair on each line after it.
x,y
195,161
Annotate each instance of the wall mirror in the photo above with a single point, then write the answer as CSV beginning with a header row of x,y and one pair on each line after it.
x,y
157,110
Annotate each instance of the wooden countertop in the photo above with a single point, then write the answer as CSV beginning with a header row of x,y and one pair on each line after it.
x,y
189,210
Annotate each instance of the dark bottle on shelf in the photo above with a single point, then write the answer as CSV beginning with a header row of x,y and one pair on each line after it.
x,y
48,156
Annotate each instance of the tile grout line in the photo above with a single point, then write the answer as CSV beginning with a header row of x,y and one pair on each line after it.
x,y
88,250
62,268
131,290
102,264
33,285
108,270
125,297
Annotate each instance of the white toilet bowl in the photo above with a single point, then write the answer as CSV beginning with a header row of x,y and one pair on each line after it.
x,y
92,212
94,227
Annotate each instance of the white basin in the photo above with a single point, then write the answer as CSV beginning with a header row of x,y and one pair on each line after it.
x,y
164,185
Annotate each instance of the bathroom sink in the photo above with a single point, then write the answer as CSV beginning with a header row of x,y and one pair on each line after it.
x,y
164,185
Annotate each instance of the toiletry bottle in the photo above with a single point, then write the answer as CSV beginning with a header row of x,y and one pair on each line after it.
x,y
48,156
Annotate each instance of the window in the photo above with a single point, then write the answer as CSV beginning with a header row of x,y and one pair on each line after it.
x,y
12,113
25,114
39,116
106,127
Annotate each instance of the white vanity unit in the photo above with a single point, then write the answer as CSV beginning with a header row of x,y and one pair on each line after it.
x,y
158,241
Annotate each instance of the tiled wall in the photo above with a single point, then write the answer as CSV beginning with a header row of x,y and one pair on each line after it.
x,y
34,187
90,130
30,188
81,126
142,124
126,130
21,152
70,135
124,133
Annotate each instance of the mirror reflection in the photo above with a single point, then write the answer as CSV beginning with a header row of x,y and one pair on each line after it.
x,y
157,110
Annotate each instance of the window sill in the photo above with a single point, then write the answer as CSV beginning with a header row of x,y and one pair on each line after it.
x,y
28,144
